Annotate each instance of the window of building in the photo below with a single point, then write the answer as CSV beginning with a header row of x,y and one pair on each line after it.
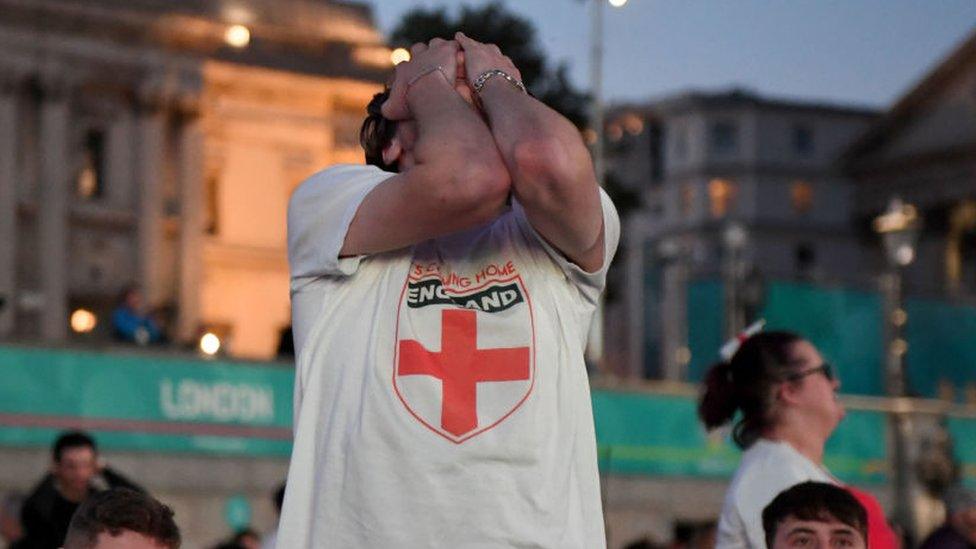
x,y
802,140
680,143
90,181
723,138
687,198
212,210
721,197
801,196
805,258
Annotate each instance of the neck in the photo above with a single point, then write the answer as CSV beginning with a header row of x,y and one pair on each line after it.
x,y
73,496
806,441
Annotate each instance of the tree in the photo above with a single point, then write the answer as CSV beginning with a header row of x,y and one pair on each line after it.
x,y
515,36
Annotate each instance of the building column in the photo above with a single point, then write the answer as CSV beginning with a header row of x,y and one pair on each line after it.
x,y
53,206
10,84
151,128
190,165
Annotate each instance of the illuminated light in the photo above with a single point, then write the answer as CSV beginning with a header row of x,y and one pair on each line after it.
x,y
682,355
615,132
634,125
617,3
721,194
905,254
899,217
373,56
899,317
399,55
589,135
237,36
209,344
899,347
801,194
83,321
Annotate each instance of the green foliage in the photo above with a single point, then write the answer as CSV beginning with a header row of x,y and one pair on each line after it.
x,y
515,36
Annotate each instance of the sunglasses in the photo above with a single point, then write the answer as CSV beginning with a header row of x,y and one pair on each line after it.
x,y
825,369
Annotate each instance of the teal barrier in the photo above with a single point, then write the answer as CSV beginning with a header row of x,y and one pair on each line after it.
x,y
145,403
151,404
941,346
845,325
705,326
641,434
963,432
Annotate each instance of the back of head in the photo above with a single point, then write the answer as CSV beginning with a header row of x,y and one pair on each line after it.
x,y
747,384
71,439
118,510
814,501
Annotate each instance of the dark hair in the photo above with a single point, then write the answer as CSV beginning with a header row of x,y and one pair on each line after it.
x,y
817,501
71,439
377,132
746,384
117,510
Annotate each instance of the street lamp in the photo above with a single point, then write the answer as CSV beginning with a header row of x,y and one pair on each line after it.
x,y
595,338
898,228
735,238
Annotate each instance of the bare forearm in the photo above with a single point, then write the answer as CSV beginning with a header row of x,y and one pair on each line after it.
x,y
520,124
446,125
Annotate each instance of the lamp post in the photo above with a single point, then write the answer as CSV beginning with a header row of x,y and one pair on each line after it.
x,y
734,237
596,84
594,346
899,228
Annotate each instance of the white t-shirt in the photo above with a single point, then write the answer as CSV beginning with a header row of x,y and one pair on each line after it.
x,y
768,467
441,397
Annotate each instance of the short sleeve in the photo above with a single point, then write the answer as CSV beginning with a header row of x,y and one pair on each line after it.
x,y
589,284
319,214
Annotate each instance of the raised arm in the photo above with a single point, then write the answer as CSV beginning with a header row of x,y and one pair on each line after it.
x,y
451,174
552,174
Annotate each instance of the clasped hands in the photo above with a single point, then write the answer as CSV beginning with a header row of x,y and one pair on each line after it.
x,y
460,61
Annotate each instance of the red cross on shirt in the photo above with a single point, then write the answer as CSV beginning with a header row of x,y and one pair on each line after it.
x,y
460,366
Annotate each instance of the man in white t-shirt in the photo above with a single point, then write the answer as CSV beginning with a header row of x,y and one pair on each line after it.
x,y
441,306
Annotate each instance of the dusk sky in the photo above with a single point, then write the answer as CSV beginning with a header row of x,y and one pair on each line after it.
x,y
866,52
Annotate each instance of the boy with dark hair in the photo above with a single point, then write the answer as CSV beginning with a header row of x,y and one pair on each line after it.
x,y
814,515
122,518
74,476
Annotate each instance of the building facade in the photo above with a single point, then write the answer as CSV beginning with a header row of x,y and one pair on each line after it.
x,y
924,151
156,144
736,187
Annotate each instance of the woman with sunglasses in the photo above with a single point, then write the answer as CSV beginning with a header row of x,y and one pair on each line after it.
x,y
785,396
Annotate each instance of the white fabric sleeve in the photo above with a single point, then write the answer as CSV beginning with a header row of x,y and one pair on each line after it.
x,y
589,284
319,214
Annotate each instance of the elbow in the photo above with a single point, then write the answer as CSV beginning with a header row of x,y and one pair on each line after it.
x,y
546,168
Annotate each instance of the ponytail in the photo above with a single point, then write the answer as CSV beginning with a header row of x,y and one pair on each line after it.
x,y
718,402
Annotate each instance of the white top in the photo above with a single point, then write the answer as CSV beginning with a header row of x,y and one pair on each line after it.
x,y
441,398
767,468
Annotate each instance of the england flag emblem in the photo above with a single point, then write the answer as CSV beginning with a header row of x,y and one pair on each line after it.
x,y
464,351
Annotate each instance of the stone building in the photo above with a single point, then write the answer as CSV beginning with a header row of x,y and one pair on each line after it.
x,y
736,187
156,143
923,150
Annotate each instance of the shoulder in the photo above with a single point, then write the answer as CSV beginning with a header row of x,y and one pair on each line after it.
x,y
767,468
335,178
